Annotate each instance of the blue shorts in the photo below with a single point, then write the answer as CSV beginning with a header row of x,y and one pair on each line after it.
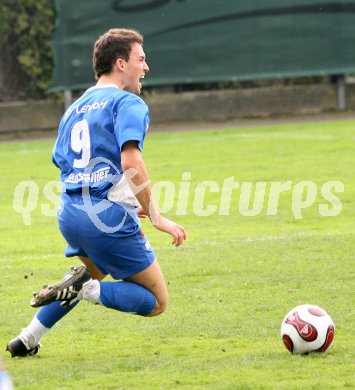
x,y
112,238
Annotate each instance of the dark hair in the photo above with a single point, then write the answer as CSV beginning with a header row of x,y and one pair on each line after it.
x,y
115,43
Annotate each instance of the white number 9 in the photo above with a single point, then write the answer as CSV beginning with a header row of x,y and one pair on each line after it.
x,y
80,143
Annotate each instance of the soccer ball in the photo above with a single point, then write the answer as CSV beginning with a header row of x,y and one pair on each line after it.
x,y
307,328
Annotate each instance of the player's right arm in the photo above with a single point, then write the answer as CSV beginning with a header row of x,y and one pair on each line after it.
x,y
137,176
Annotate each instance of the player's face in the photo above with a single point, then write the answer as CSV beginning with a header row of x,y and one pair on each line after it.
x,y
135,70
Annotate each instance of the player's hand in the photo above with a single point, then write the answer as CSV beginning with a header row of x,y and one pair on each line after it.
x,y
177,232
140,212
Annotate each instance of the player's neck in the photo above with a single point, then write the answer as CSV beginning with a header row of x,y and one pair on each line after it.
x,y
105,79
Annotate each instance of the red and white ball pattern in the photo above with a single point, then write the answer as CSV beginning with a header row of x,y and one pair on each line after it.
x,y
307,328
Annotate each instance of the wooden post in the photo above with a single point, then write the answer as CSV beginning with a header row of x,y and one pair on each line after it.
x,y
68,98
341,92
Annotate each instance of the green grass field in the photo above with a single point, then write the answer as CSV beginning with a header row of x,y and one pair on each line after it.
x,y
230,284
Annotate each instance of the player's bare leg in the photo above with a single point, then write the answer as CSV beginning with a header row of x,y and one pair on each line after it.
x,y
153,280
94,271
144,293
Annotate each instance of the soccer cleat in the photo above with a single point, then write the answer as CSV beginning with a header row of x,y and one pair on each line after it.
x,y
17,347
66,290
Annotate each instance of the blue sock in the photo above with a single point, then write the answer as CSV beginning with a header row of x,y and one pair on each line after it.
x,y
50,314
127,297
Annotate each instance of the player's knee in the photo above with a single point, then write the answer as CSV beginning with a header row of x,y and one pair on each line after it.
x,y
160,306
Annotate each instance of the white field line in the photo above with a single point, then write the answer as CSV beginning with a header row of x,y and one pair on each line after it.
x,y
323,137
197,244
233,240
271,135
25,151
284,237
33,257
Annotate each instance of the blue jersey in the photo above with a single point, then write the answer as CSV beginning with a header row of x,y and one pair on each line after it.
x,y
91,135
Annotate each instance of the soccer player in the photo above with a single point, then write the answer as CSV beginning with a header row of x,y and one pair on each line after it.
x,y
105,188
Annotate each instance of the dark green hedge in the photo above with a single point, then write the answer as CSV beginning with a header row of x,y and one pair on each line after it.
x,y
26,28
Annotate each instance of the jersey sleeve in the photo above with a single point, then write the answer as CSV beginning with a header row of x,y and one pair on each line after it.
x,y
132,122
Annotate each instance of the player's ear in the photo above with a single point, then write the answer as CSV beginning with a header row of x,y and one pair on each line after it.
x,y
120,63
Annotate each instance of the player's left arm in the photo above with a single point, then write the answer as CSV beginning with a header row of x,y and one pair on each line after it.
x,y
137,176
